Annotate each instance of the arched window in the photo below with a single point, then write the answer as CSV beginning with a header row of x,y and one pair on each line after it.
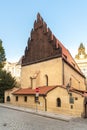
x,y
8,98
46,76
58,102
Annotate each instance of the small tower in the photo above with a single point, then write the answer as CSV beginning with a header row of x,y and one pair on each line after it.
x,y
81,52
81,60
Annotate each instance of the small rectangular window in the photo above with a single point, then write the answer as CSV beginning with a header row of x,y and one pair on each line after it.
x,y
71,100
70,94
25,98
58,102
16,98
76,98
71,106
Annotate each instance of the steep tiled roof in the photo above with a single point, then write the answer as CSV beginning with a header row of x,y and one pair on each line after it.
x,y
68,57
28,91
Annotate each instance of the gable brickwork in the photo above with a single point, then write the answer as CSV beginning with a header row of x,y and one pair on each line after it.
x,y
42,44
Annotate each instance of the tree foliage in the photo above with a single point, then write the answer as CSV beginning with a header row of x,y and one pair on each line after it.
x,y
2,55
6,82
6,79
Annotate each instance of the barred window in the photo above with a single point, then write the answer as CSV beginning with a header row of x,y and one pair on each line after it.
x,y
71,100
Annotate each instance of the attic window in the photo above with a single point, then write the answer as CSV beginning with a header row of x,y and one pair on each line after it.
x,y
73,64
65,56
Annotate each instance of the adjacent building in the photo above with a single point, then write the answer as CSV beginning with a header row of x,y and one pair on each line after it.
x,y
81,59
14,69
50,77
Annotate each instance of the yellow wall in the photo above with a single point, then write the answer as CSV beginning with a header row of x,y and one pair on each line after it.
x,y
30,102
9,93
78,106
53,68
51,98
77,81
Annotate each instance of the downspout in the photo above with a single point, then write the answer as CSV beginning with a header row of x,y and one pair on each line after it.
x,y
45,103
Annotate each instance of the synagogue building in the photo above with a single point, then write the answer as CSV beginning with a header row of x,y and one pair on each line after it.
x,y
47,66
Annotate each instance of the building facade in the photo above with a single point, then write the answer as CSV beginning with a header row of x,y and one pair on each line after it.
x,y
49,66
14,69
81,59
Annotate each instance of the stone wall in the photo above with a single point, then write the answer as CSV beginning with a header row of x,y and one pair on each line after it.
x,y
77,81
67,108
51,68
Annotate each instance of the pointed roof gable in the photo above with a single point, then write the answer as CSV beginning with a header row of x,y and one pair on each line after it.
x,y
43,45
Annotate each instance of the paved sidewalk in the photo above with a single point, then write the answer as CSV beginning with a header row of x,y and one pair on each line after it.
x,y
37,112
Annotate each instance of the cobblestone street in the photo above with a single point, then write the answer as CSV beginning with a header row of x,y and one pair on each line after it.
x,y
18,120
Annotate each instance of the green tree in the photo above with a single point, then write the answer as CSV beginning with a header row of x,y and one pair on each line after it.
x,y
2,55
6,79
6,82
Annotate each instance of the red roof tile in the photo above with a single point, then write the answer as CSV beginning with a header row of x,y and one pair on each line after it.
x,y
28,91
44,90
81,92
67,56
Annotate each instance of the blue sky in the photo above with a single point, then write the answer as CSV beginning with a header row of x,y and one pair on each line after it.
x,y
67,20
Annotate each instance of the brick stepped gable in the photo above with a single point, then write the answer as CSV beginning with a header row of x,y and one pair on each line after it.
x,y
42,44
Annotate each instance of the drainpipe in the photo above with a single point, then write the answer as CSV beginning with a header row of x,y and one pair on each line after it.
x,y
45,103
